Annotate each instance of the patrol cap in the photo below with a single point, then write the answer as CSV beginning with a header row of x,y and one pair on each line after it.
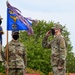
x,y
57,26
1,17
15,32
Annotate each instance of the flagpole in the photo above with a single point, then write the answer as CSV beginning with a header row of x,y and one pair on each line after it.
x,y
7,50
7,55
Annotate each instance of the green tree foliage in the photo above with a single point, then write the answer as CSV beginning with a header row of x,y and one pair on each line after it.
x,y
2,70
38,58
70,61
31,71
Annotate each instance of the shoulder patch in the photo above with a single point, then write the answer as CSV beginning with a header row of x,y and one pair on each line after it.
x,y
62,43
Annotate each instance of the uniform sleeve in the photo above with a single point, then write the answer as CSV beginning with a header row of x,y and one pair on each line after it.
x,y
3,53
25,56
45,43
4,58
62,46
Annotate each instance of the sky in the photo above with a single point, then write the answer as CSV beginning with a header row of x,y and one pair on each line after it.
x,y
56,10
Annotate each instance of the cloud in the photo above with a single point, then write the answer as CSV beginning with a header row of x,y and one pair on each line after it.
x,y
47,5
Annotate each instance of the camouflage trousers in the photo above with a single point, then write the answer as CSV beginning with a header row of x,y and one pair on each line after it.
x,y
58,72
16,71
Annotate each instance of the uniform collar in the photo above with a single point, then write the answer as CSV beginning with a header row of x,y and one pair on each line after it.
x,y
57,35
15,40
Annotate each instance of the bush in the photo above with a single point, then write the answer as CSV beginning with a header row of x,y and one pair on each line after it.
x,y
31,71
2,70
50,73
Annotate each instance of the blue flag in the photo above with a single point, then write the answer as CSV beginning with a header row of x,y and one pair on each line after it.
x,y
15,21
12,20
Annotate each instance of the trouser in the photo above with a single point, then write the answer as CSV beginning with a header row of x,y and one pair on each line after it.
x,y
56,71
15,71
1,52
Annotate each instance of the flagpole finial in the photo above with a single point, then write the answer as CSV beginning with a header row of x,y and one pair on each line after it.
x,y
7,2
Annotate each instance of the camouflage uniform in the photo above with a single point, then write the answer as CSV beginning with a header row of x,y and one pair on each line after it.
x,y
0,53
1,33
16,58
58,53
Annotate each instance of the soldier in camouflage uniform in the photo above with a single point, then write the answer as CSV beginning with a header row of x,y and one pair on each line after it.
x,y
58,49
1,33
16,56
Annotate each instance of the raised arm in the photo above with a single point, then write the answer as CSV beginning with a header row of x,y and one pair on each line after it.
x,y
45,42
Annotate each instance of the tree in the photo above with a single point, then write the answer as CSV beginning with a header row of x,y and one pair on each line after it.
x,y
38,58
70,61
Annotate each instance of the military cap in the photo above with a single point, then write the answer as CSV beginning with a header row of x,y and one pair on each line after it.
x,y
57,26
15,32
1,17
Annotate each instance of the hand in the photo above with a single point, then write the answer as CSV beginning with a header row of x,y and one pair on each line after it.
x,y
48,33
59,67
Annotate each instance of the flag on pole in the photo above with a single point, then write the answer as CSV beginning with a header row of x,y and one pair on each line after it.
x,y
16,21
